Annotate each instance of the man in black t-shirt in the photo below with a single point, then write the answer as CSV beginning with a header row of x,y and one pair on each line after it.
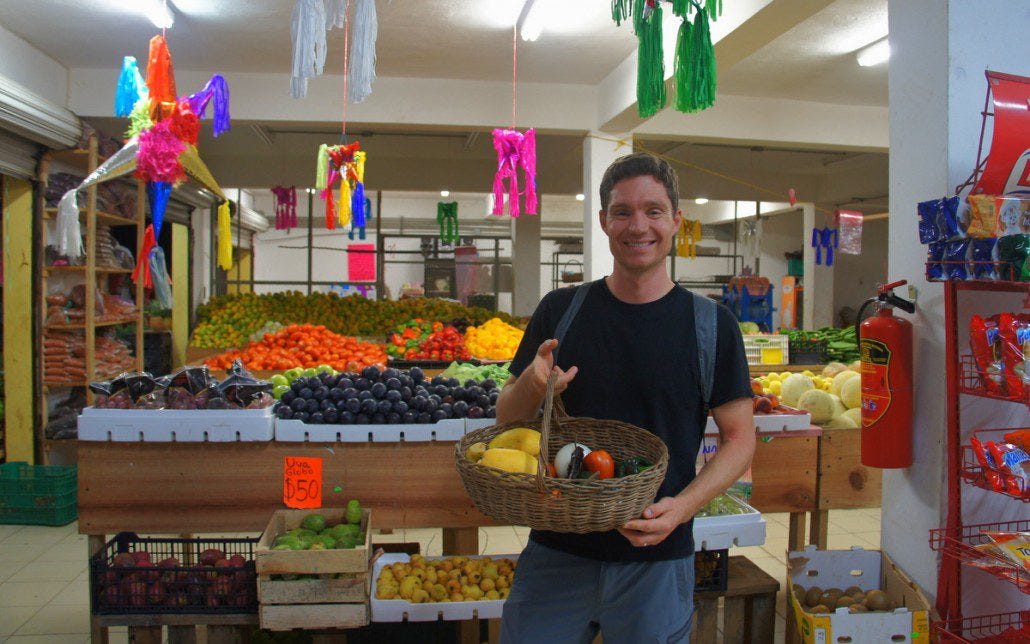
x,y
631,355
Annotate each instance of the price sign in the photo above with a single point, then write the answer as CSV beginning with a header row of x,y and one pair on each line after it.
x,y
302,482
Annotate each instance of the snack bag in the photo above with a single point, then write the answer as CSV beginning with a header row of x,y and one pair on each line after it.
x,y
929,213
934,255
956,253
1012,255
1013,335
983,334
1020,438
983,216
1014,464
1013,216
984,255
1014,545
986,461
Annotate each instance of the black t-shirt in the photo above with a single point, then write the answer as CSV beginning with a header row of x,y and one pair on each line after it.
x,y
638,364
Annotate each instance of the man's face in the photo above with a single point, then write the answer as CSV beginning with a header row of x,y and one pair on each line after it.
x,y
640,224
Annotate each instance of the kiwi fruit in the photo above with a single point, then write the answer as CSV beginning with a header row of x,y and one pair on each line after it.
x,y
813,595
877,600
854,590
830,596
821,608
845,601
799,593
857,608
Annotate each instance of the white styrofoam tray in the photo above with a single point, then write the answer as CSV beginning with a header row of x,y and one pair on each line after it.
x,y
176,425
294,431
472,424
401,610
771,423
730,530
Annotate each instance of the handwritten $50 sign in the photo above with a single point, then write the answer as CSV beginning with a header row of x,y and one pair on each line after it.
x,y
302,482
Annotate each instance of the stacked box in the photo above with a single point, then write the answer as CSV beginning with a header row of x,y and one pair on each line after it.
x,y
337,595
38,494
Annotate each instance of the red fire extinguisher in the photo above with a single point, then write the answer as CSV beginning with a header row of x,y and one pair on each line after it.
x,y
885,345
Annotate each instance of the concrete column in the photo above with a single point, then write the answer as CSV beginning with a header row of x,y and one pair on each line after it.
x,y
939,51
525,236
598,153
818,309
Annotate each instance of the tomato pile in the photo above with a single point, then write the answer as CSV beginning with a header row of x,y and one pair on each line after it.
x,y
303,345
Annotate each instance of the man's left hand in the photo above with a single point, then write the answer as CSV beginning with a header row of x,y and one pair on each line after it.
x,y
659,520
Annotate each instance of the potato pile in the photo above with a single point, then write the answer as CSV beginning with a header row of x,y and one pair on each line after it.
x,y
856,600
453,579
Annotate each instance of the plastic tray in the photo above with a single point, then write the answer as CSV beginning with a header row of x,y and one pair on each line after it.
x,y
295,431
176,425
400,610
187,588
38,494
729,530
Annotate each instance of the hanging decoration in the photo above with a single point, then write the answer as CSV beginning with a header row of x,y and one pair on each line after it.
x,y
346,163
336,14
285,207
447,219
363,50
224,237
216,94
687,237
694,61
515,150
308,27
158,193
792,196
824,240
131,88
366,214
849,226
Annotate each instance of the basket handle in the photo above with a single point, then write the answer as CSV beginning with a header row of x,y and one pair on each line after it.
x,y
550,415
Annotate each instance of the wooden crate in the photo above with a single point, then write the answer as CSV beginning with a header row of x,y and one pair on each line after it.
x,y
285,617
353,588
311,562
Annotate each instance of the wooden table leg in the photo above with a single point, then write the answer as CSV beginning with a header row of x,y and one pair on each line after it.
x,y
706,618
796,531
144,635
820,524
734,621
94,544
463,541
762,618
182,635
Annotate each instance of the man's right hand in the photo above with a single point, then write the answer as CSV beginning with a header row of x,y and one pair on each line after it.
x,y
521,397
542,366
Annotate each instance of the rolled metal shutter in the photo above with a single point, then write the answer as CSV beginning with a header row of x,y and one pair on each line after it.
x,y
18,156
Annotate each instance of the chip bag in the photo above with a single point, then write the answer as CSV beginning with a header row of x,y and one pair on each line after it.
x,y
1014,545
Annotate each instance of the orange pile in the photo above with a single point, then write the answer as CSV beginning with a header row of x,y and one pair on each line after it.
x,y
303,345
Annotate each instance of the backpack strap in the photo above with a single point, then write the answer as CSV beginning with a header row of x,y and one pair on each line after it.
x,y
706,327
570,313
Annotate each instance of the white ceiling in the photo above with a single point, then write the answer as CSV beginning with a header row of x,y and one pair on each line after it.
x,y
455,39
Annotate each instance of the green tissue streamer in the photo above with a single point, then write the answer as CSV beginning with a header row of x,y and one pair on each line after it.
x,y
650,63
695,64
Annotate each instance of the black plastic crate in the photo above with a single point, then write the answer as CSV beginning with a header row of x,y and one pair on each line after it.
x,y
711,570
124,581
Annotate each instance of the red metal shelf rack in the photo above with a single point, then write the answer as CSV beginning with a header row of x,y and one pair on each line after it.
x,y
960,545
985,628
974,473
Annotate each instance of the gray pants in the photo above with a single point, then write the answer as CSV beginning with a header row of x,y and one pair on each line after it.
x,y
558,597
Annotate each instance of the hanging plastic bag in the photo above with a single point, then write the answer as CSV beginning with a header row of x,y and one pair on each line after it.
x,y
849,227
159,274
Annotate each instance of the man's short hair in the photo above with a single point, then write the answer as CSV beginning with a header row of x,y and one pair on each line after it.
x,y
636,165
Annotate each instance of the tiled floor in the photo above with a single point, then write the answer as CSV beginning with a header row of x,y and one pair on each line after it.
x,y
44,587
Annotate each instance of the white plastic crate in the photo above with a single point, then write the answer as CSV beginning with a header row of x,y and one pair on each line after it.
x,y
767,349
401,610
294,431
730,530
176,425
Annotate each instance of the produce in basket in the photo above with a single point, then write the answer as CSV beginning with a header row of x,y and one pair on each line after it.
x,y
453,579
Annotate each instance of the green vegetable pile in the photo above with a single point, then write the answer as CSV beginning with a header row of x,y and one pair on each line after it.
x,y
463,371
840,344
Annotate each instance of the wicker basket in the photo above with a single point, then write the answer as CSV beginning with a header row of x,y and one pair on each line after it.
x,y
565,505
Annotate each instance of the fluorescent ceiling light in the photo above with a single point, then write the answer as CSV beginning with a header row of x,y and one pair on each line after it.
x,y
581,197
531,20
445,193
874,54
700,201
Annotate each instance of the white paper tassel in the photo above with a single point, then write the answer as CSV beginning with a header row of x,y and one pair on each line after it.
x,y
308,31
69,232
337,16
363,51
